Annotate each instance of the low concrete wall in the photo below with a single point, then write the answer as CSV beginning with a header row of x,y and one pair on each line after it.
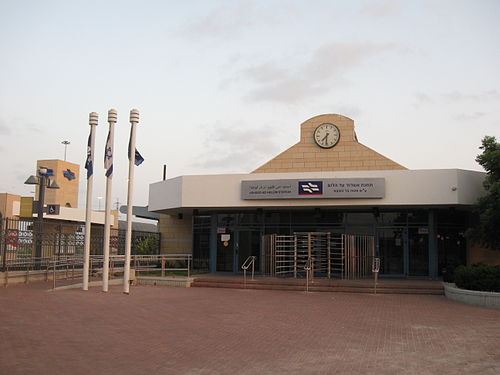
x,y
183,282
25,277
472,297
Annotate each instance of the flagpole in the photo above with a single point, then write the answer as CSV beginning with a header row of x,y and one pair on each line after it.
x,y
89,164
112,116
134,120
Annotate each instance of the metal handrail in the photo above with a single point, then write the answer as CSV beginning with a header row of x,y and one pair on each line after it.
x,y
250,261
45,265
308,268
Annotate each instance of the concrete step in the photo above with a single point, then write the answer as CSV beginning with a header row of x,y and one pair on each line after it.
x,y
319,286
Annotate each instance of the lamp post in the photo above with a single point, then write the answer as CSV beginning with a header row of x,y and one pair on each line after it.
x,y
43,181
65,143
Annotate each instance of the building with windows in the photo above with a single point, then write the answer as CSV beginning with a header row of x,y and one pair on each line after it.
x,y
326,183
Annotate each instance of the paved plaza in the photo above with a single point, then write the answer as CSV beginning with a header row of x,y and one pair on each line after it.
x,y
162,330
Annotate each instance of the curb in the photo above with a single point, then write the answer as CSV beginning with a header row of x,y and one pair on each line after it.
x,y
91,283
472,297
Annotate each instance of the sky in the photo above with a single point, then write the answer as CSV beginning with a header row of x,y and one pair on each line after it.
x,y
223,86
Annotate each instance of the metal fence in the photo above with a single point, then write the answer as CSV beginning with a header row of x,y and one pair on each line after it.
x,y
19,239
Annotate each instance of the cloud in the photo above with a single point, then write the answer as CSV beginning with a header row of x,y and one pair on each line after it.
x,y
29,127
468,116
236,149
223,21
17,125
240,16
422,99
382,9
349,110
4,129
328,64
460,96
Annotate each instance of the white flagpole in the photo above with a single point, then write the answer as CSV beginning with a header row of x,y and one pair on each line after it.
x,y
93,118
134,120
112,116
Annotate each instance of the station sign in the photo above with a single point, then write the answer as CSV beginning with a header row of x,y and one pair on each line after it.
x,y
330,188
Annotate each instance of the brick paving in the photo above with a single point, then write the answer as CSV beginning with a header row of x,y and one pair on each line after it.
x,y
161,330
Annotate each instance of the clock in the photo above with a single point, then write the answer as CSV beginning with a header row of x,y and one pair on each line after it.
x,y
326,135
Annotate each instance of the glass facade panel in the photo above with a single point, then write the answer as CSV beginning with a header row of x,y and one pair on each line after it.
x,y
225,251
404,242
452,247
248,245
201,243
391,251
418,248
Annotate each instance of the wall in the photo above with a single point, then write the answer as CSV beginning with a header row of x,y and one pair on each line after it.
x,y
9,205
403,188
477,254
67,195
176,234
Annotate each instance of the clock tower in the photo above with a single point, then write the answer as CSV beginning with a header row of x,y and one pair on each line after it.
x,y
328,143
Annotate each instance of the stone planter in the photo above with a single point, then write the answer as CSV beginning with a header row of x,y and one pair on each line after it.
x,y
472,297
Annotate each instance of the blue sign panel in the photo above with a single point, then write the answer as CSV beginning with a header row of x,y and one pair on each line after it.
x,y
69,174
310,188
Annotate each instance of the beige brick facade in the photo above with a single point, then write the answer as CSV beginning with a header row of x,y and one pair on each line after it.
x,y
347,155
478,254
67,195
176,234
9,205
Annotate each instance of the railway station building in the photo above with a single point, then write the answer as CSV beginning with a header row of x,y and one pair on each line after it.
x,y
328,184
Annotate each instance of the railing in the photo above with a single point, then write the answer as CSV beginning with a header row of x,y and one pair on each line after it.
x,y
309,268
168,262
30,267
63,267
67,267
250,261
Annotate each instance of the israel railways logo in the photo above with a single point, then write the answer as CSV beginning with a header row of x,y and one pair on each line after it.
x,y
310,187
69,174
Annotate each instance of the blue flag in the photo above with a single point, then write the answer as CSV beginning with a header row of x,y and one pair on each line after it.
x,y
138,159
88,163
108,156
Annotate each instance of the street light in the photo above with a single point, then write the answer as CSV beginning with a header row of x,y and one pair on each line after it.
x,y
65,143
43,181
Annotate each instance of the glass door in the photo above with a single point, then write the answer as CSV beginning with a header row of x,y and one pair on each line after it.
x,y
418,249
225,251
248,245
391,246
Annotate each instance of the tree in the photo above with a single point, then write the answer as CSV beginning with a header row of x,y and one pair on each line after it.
x,y
487,231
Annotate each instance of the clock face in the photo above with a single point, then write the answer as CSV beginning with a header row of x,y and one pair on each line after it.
x,y
326,135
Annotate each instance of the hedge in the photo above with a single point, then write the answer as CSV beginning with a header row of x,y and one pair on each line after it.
x,y
478,277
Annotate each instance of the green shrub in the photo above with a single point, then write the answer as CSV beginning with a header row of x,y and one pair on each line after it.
x,y
146,245
478,277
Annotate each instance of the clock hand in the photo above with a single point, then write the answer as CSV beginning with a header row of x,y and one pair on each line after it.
x,y
325,139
